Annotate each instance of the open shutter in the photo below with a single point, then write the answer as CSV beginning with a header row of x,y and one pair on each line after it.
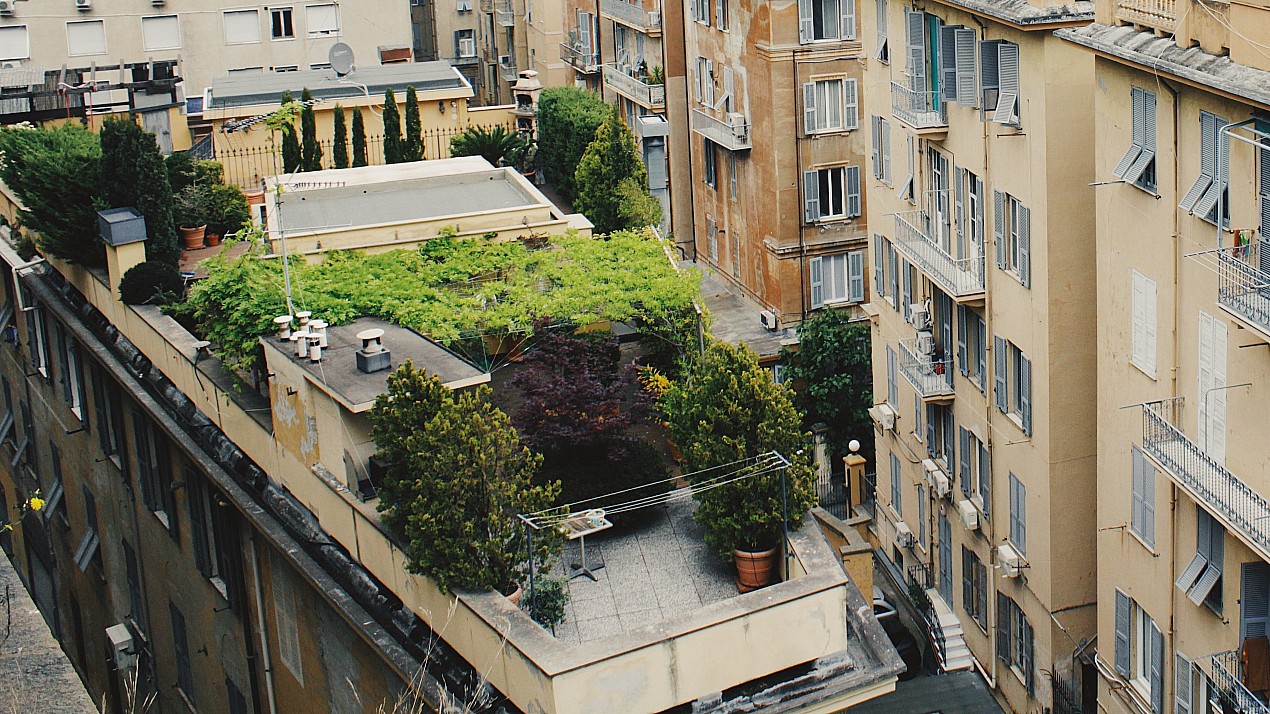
x,y
989,79
964,50
1003,628
1136,518
981,349
879,266
948,63
1122,633
959,209
855,276
875,123
908,289
998,226
1008,76
809,107
725,101
1215,166
1157,668
848,19
1254,605
931,422
962,362
886,151
198,527
915,26
1024,227
1217,402
892,389
985,478
963,464
817,282
811,196
709,83
1144,135
1135,149
1025,393
1207,162
721,14
850,105
806,26
1001,395
1181,684
854,204
879,20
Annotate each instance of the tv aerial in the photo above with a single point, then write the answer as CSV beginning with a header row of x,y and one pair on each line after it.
x,y
341,59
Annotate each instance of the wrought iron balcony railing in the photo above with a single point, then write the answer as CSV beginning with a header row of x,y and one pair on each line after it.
x,y
1243,287
632,15
650,96
732,133
1225,674
920,110
959,277
928,372
584,62
1243,510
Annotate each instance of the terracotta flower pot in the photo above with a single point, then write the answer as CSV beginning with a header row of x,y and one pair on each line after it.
x,y
193,237
255,196
515,595
754,570
213,239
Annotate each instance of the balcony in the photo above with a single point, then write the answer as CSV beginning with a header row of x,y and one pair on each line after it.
x,y
507,72
923,111
1156,14
931,377
1225,674
649,96
487,5
632,15
1243,289
582,62
732,133
962,278
1243,511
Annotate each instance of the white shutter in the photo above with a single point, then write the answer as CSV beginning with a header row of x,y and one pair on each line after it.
x,y
241,26
854,204
1144,322
964,47
1181,684
15,43
88,38
848,19
850,105
1212,376
886,151
1024,228
915,26
322,19
855,276
907,191
892,390
721,14
725,101
1008,78
811,196
809,107
709,83
160,32
816,269
806,25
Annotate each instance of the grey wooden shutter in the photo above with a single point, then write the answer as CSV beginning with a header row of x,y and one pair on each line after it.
x,y
1026,654
811,196
817,282
893,266
907,307
948,63
1207,162
855,276
1000,391
848,19
1122,633
809,107
1135,148
1024,218
967,581
985,478
850,104
1136,519
915,26
1003,627
1216,163
879,266
988,75
1018,514
892,389
945,557
963,465
962,361
886,151
1181,684
806,25
959,209
875,123
981,349
184,676
931,422
964,47
1008,78
1254,605
195,493
981,590
879,20
721,14
1157,669
998,226
1025,393
854,204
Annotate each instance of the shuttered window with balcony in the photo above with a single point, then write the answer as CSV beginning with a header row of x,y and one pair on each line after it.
x,y
1214,172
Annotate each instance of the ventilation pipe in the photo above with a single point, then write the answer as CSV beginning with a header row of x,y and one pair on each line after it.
x,y
372,357
283,322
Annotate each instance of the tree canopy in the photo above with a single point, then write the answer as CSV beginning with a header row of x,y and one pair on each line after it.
x,y
610,174
56,173
832,374
567,120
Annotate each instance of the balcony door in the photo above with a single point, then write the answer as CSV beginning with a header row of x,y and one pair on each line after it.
x,y
1254,603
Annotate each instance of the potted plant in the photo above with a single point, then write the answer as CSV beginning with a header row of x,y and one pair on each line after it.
x,y
227,212
546,604
190,209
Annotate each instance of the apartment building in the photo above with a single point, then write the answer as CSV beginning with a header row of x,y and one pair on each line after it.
x,y
982,272
777,151
1182,155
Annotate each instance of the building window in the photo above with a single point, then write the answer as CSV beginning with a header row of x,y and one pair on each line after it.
x,y
940,433
972,345
1018,515
883,53
957,65
705,81
830,105
1202,578
921,516
284,613
897,500
975,467
108,408
154,470
1137,166
1214,173
968,192
286,68
1144,322
1015,640
89,549
830,194
908,191
700,11
87,37
893,274
892,388
999,82
15,43
322,19
711,154
241,26
732,180
1013,382
1012,225
882,150
1254,605
1142,520
721,14
181,646
837,278
974,587
281,25
826,20
879,264
213,536
160,32
466,6
1139,650
1211,397
465,43
135,600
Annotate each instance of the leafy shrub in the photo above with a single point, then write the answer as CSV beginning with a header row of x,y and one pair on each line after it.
x,y
56,173
151,282
494,144
832,375
227,209
567,120
547,603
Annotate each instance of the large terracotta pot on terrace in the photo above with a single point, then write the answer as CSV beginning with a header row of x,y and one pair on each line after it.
x,y
754,570
193,237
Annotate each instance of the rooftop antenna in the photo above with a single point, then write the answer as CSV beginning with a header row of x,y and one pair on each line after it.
x,y
341,59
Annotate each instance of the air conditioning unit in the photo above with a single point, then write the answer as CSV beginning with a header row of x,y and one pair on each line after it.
x,y
919,316
969,514
883,415
903,535
122,651
10,64
739,124
1009,560
6,8
654,19
939,483
925,343
83,5
768,318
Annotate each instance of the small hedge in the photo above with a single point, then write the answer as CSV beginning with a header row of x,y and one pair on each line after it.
x,y
567,120
150,283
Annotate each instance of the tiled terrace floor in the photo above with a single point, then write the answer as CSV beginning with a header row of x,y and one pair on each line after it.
x,y
652,571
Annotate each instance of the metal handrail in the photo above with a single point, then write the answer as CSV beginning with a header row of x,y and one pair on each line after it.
x,y
1242,286
959,277
929,376
918,109
1227,678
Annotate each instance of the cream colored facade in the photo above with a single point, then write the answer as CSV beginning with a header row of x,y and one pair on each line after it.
x,y
209,39
981,273
1183,331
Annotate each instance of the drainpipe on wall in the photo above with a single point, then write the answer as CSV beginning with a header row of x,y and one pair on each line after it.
x,y
798,184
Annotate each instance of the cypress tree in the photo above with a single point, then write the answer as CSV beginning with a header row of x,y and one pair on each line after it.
x,y
55,171
393,150
359,138
310,149
611,179
155,203
414,129
120,147
340,151
291,156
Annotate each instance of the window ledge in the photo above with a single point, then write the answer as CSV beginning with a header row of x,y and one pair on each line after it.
x,y
1150,548
1149,373
219,583
163,518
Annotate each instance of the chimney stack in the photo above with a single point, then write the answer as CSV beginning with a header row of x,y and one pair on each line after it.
x,y
372,357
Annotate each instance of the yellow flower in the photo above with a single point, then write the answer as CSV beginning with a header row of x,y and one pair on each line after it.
x,y
36,503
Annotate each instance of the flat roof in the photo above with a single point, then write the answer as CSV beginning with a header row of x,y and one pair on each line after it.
x,y
241,90
337,374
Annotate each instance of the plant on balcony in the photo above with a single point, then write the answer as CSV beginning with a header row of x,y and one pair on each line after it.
x,y
412,150
722,410
657,75
458,476
612,181
227,210
393,148
831,372
310,149
495,144
55,172
567,120
359,138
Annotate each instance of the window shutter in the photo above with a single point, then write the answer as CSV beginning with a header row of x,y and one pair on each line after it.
x,y
1139,319
806,26
850,105
999,375
1136,517
892,390
894,267
998,226
1003,627
880,21
907,305
963,464
1254,605
879,266
1217,403
817,282
876,131
721,14
1143,134
1135,149
1025,393
855,276
886,151
985,478
848,19
1215,166
959,209
809,107
1148,498
988,75
964,49
931,421
948,63
915,25
709,83
1122,633
1026,654
1018,514
1157,668
1207,162
1181,684
1008,78
198,526
811,196
961,340
1024,218
854,207
725,102
967,581
981,349
981,601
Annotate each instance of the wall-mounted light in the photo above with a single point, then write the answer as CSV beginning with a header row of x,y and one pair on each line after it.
x,y
441,106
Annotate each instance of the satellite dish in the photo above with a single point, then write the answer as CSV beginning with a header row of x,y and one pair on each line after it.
x,y
341,58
